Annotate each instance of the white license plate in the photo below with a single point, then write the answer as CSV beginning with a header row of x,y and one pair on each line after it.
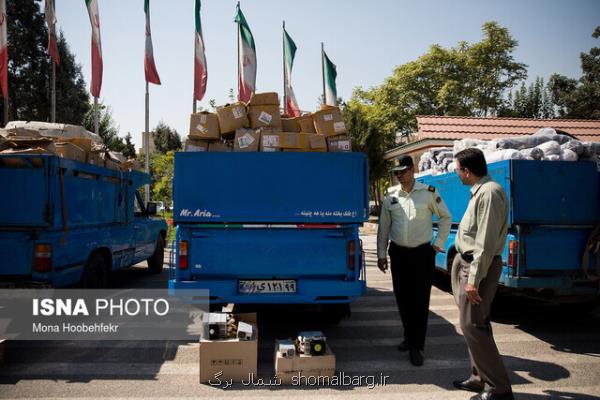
x,y
267,286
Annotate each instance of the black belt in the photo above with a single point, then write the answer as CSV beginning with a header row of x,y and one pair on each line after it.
x,y
409,248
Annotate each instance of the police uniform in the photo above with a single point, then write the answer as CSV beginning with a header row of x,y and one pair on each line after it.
x,y
480,240
406,223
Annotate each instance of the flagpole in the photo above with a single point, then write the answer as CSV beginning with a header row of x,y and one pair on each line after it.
x,y
323,70
284,74
238,55
6,109
53,99
147,143
96,116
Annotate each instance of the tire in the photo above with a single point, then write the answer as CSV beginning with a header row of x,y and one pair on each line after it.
x,y
156,261
95,273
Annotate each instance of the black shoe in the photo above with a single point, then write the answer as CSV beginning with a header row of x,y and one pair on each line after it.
x,y
493,396
416,357
403,346
468,385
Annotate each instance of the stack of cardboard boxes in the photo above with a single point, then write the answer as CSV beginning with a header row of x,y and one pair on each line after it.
x,y
258,126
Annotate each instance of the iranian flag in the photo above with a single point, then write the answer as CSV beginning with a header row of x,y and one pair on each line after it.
x,y
200,70
246,58
149,65
329,75
92,7
289,51
51,23
3,50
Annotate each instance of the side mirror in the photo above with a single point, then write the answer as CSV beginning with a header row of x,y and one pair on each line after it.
x,y
151,208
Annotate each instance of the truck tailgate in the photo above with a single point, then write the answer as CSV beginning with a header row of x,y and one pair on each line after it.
x,y
554,249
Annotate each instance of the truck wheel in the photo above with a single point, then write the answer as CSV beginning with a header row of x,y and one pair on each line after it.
x,y
95,272
155,262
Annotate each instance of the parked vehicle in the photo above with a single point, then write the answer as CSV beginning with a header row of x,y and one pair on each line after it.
x,y
64,222
270,227
553,208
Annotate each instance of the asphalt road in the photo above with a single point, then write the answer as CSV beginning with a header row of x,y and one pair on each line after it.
x,y
550,351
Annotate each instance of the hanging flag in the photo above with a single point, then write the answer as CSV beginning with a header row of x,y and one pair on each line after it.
x,y
289,49
200,68
246,58
51,23
3,50
329,75
149,65
92,7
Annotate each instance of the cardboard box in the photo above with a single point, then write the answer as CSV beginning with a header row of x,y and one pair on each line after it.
x,y
269,142
306,123
317,143
294,140
204,125
246,140
83,143
235,358
194,144
290,125
19,162
263,116
264,99
339,144
220,147
95,157
131,165
305,366
70,151
329,122
232,117
112,164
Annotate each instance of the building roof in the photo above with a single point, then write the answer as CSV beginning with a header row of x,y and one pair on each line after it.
x,y
448,127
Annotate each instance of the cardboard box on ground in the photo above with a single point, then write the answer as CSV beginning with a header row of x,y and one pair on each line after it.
x,y
235,359
286,368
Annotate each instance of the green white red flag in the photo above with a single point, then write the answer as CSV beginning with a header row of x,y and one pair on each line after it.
x,y
96,85
200,68
51,23
149,65
289,51
329,75
246,58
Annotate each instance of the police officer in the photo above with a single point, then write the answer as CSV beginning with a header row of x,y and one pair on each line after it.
x,y
406,220
480,240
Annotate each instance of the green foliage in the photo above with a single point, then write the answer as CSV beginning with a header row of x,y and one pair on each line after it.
x,y
579,98
532,102
161,167
106,127
30,70
128,147
166,138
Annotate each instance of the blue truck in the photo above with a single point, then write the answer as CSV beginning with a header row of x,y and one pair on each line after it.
x,y
554,206
64,222
278,228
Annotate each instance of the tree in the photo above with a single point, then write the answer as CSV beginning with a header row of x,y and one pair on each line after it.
x,y
106,127
128,147
166,138
162,167
579,98
30,68
532,102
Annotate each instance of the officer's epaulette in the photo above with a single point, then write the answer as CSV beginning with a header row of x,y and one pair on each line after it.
x,y
431,189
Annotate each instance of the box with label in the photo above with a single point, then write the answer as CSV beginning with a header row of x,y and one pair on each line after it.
x,y
204,125
329,122
264,99
233,359
290,125
194,144
339,144
246,140
317,143
294,140
306,123
269,142
220,146
232,117
70,151
266,115
303,366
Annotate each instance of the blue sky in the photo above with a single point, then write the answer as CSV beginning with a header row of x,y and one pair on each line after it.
x,y
365,39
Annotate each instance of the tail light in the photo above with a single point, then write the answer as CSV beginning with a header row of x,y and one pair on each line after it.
x,y
42,258
351,255
513,251
183,254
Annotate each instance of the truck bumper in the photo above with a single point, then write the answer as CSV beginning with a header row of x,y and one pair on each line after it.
x,y
563,286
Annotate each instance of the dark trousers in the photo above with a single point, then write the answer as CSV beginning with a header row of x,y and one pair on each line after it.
x,y
486,364
412,273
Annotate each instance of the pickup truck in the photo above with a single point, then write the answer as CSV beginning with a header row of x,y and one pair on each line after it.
x,y
554,206
270,228
64,222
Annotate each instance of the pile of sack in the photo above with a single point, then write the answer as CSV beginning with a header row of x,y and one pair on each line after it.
x,y
68,141
546,144
259,126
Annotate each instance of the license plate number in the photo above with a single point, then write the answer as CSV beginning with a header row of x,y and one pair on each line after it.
x,y
267,286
